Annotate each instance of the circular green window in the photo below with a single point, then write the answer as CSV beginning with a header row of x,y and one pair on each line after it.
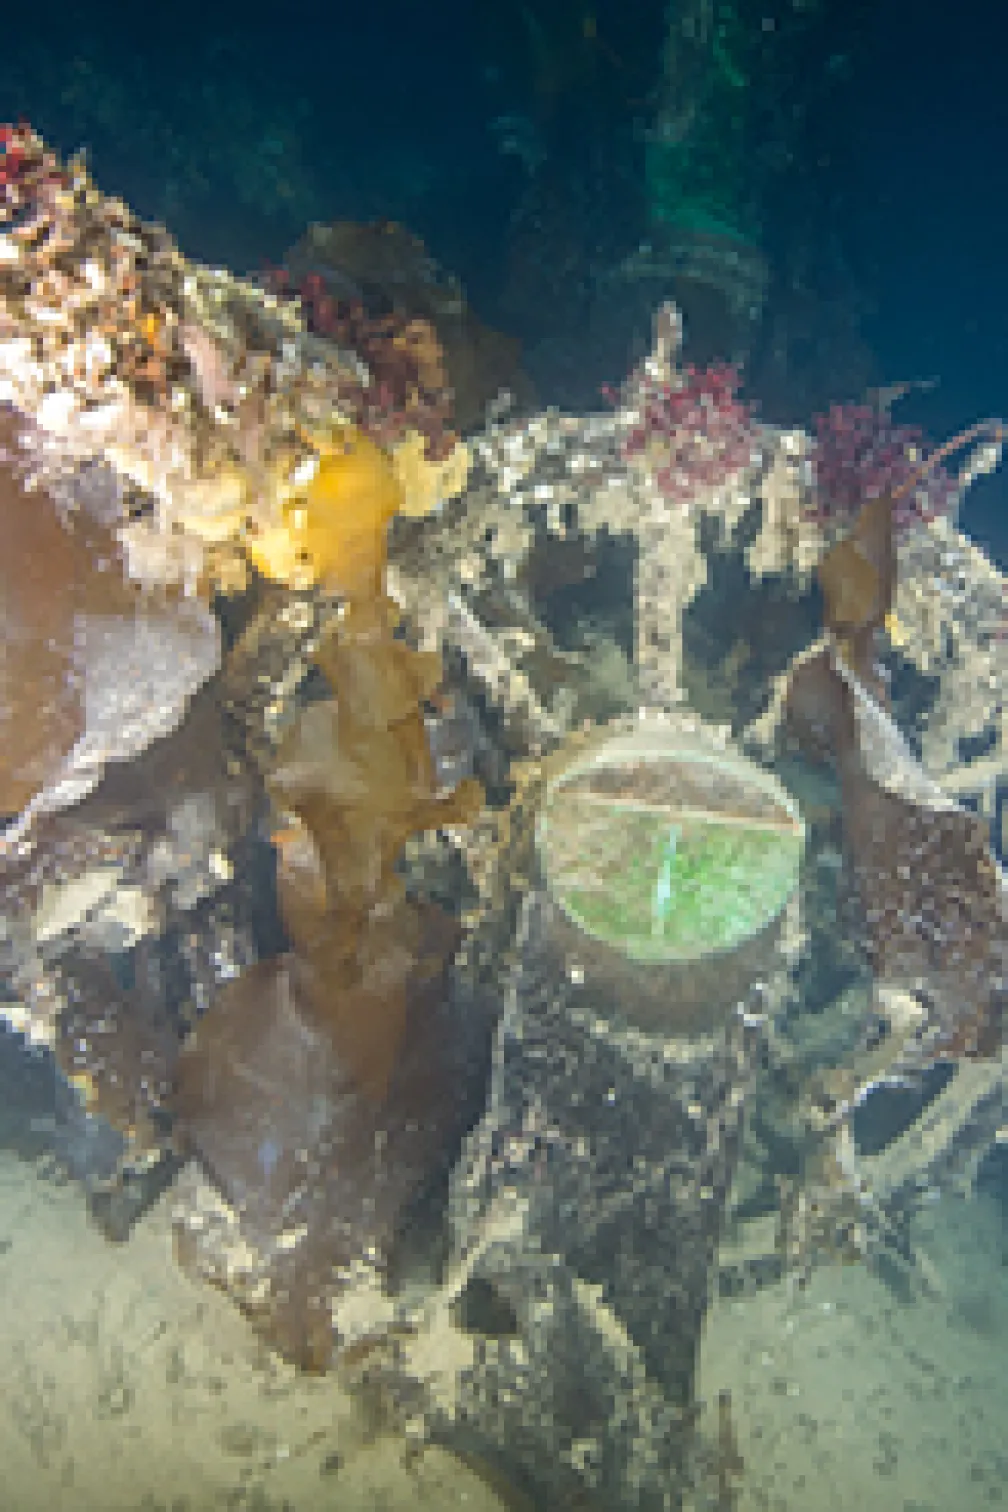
x,y
662,845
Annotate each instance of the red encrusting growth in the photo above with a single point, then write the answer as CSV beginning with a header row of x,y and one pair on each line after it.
x,y
693,430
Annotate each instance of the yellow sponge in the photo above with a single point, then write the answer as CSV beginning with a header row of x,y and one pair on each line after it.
x,y
334,531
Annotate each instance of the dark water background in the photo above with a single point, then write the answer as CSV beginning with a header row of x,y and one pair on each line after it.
x,y
510,138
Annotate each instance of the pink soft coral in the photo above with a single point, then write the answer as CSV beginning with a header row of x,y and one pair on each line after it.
x,y
691,428
860,454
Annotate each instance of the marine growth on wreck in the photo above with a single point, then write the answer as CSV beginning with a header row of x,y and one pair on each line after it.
x,y
323,1087
297,641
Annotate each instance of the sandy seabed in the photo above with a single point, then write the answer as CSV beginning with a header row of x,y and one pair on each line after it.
x,y
846,1399
128,1386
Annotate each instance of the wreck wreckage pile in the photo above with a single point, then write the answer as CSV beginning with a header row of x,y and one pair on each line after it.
x,y
280,868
